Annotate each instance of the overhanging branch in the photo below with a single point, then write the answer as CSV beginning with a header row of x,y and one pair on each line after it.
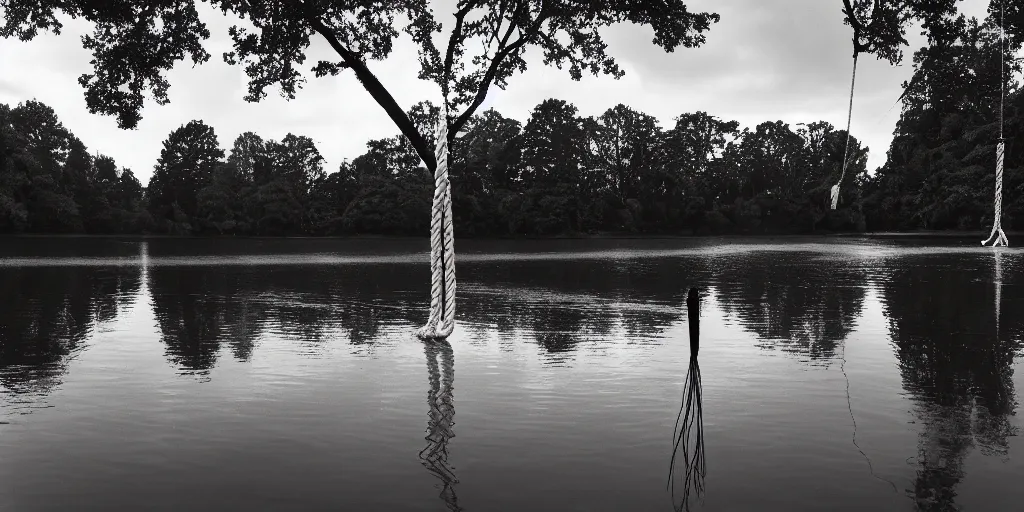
x,y
376,90
858,27
456,39
500,55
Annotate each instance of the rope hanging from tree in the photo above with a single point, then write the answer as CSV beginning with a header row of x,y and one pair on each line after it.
x,y
441,320
846,147
997,237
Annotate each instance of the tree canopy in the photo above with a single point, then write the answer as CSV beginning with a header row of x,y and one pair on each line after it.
x,y
135,43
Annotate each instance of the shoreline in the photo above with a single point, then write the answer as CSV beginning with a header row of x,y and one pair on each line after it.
x,y
593,236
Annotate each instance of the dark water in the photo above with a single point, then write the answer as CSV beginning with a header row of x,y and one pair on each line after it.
x,y
837,374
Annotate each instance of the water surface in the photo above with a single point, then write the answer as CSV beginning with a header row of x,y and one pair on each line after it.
x,y
253,374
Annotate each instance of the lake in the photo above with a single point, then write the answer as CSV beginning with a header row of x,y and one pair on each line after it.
x,y
836,373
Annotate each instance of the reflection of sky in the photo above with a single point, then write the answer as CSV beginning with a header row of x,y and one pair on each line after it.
x,y
605,401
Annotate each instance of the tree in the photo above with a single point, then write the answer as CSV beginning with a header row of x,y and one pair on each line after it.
x,y
77,176
1012,14
880,26
697,138
186,164
691,151
296,161
50,183
134,44
491,150
250,158
41,146
624,143
281,203
125,199
485,172
553,157
220,204
942,158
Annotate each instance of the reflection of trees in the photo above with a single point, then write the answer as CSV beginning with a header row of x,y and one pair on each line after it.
x,y
441,372
197,309
47,313
559,303
201,308
793,301
957,367
562,303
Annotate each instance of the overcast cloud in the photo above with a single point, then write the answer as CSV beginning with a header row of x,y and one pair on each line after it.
x,y
772,60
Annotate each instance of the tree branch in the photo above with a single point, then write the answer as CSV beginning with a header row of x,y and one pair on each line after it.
x,y
500,19
456,39
377,90
858,27
500,55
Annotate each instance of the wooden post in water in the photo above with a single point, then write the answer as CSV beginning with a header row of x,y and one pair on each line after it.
x,y
693,314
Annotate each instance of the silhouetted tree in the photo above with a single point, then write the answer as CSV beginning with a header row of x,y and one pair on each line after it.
x,y
185,166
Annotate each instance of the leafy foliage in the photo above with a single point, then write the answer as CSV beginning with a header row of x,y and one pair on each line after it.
x,y
134,44
50,183
941,165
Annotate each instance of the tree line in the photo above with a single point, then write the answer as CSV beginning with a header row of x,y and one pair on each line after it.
x,y
559,173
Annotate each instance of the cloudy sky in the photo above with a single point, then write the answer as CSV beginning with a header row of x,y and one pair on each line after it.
x,y
786,60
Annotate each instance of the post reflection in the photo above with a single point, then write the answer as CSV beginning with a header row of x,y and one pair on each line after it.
x,y
441,373
688,432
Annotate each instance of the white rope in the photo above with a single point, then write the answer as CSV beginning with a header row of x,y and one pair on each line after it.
x,y
441,320
997,237
846,147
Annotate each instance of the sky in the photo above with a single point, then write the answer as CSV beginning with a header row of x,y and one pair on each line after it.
x,y
786,60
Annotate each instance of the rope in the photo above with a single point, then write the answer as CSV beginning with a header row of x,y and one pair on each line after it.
x,y
849,406
441,320
997,237
846,147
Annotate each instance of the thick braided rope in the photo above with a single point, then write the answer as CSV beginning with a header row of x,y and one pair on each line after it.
x,y
441,320
846,147
997,237
428,330
447,324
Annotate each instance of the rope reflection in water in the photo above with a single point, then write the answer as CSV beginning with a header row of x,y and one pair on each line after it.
x,y
689,433
441,371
